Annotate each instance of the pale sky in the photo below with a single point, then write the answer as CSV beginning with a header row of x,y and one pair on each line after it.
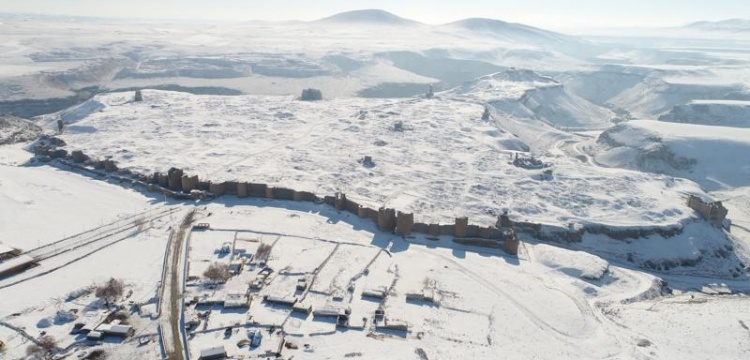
x,y
543,13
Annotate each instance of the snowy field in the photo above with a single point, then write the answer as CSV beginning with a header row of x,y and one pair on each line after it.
x,y
485,302
316,147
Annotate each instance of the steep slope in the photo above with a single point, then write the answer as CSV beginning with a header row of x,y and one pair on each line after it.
x,y
527,94
14,129
732,113
712,156
367,17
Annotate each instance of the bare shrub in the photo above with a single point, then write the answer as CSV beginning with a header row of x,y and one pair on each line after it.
x,y
110,290
263,253
217,272
47,342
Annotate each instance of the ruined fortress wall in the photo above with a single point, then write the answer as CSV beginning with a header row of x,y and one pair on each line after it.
x,y
447,230
421,228
174,183
372,214
174,177
258,190
284,193
461,227
230,188
242,189
472,231
362,212
217,189
352,207
110,166
404,223
305,196
386,219
189,183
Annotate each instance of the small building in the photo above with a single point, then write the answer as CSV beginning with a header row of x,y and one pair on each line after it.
x,y
114,330
395,325
235,267
377,293
7,252
301,284
94,335
426,295
330,311
213,353
16,264
257,284
235,301
302,309
280,300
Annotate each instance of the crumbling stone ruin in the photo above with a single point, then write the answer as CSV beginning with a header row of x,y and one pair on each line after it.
x,y
311,95
174,176
486,114
138,96
367,161
530,163
714,212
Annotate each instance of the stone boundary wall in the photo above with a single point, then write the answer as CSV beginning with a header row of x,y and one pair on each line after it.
x,y
178,185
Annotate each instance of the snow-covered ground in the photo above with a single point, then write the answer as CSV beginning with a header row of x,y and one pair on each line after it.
x,y
568,101
486,302
316,146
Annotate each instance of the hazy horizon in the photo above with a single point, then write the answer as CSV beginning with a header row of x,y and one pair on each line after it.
x,y
542,13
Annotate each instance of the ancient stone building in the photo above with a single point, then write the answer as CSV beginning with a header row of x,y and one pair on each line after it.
x,y
311,95
714,212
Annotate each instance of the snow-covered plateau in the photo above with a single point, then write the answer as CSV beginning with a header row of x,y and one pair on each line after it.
x,y
620,158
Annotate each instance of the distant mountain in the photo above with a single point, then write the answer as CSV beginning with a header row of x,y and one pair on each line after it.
x,y
524,35
368,17
506,30
731,25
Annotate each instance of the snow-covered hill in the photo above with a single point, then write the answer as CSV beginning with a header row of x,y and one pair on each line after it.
x,y
713,156
730,113
731,25
367,17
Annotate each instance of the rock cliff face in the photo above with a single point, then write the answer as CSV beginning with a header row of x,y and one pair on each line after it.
x,y
711,112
